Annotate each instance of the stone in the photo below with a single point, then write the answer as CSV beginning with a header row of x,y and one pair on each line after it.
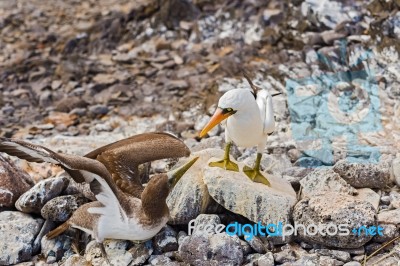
x,y
210,248
256,244
328,261
61,208
336,254
324,180
246,248
98,110
75,260
389,217
251,258
266,260
390,231
159,260
367,194
165,240
352,263
385,200
56,248
363,175
395,170
141,252
35,198
17,234
190,196
295,174
116,251
257,202
395,199
334,208
13,183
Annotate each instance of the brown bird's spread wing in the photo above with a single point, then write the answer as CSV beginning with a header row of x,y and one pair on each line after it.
x,y
92,171
123,157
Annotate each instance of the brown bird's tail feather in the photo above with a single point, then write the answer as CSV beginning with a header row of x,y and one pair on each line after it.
x,y
58,231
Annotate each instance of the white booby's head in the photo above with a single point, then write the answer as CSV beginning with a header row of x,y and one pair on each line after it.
x,y
233,101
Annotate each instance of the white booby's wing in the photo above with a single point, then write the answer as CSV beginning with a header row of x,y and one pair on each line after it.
x,y
264,102
94,172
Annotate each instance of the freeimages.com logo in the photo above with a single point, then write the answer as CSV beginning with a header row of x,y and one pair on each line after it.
x,y
336,105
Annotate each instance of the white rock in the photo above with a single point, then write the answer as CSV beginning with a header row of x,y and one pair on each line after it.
x,y
255,201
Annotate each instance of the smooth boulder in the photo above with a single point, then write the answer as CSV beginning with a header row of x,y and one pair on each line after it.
x,y
255,201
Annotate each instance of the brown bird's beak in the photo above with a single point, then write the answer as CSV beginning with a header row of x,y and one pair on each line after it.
x,y
217,118
175,175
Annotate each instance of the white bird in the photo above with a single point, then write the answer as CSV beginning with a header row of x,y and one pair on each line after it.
x,y
250,119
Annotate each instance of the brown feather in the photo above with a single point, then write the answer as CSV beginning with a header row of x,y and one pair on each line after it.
x,y
58,231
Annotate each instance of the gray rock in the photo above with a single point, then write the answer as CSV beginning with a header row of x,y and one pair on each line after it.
x,y
190,196
35,198
334,208
13,183
352,263
246,248
389,217
363,175
256,244
159,260
75,260
324,180
257,202
141,252
289,253
390,231
252,258
209,248
394,199
116,251
328,261
17,234
61,208
336,254
98,109
165,240
385,200
56,248
395,170
309,260
181,236
367,194
295,174
266,260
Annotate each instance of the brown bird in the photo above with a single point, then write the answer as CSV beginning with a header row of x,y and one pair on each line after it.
x,y
135,213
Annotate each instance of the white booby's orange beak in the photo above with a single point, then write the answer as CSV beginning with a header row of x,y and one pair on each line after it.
x,y
219,116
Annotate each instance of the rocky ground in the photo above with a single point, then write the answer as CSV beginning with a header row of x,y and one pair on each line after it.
x,y
75,75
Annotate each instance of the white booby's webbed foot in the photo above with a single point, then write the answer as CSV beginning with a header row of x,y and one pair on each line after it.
x,y
254,173
226,163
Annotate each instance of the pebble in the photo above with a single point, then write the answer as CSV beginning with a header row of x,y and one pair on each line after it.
x,y
141,252
13,182
165,240
35,198
98,110
60,209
